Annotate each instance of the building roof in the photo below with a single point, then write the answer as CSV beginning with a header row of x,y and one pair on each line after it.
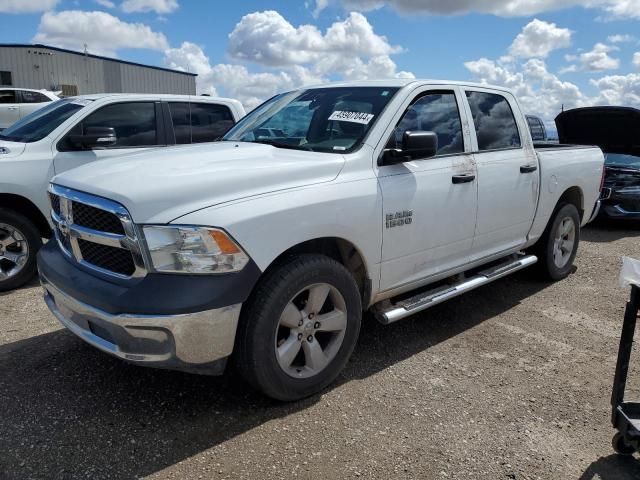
x,y
74,52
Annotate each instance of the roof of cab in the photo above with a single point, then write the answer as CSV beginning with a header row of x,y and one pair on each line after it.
x,y
404,82
155,96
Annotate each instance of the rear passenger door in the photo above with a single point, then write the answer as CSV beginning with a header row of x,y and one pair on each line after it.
x,y
9,108
137,126
195,122
507,172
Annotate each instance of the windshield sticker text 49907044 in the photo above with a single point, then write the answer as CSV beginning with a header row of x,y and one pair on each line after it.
x,y
355,117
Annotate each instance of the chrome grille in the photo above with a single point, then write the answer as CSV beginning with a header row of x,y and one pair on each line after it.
x,y
96,232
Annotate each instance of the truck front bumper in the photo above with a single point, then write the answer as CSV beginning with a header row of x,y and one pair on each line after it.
x,y
195,342
181,322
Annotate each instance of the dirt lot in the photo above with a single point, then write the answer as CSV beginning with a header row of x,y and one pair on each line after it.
x,y
509,382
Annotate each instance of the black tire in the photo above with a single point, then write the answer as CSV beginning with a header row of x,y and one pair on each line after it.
x,y
545,246
255,355
34,242
620,445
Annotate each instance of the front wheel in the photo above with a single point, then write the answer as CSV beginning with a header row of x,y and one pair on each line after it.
x,y
19,244
299,327
558,245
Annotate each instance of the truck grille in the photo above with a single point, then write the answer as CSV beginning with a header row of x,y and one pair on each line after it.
x,y
96,219
107,258
96,232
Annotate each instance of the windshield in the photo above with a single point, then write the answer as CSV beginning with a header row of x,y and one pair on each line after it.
x,y
622,160
321,119
42,122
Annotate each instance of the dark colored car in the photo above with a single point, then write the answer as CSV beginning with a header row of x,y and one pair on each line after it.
x,y
616,130
537,129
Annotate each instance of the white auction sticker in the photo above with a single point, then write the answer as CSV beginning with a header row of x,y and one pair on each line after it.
x,y
355,117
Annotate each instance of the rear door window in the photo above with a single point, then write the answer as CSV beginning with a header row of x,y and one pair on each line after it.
x,y
495,124
209,122
181,119
8,96
33,97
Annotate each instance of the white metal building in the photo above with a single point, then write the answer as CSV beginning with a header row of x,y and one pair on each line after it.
x,y
77,73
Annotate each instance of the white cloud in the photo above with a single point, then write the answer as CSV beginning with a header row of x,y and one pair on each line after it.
x,y
539,38
599,59
619,89
626,38
235,80
157,6
26,6
349,49
102,33
636,59
269,39
539,91
503,8
106,3
623,9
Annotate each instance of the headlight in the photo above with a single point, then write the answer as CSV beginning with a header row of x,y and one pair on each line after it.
x,y
187,249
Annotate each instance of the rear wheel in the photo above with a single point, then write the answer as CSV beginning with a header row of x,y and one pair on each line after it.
x,y
559,244
19,244
299,327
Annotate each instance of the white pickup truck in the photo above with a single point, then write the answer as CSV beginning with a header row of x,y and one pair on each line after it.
x,y
17,103
267,246
75,131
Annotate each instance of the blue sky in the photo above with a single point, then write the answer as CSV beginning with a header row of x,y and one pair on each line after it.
x,y
551,52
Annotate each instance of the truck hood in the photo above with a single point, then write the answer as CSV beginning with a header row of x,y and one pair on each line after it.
x,y
161,185
613,129
10,149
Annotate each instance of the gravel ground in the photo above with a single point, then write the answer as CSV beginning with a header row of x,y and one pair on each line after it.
x,y
511,381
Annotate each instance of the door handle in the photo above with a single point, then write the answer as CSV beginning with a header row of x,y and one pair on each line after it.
x,y
12,108
528,168
466,178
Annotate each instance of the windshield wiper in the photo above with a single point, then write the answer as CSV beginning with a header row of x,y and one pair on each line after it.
x,y
277,144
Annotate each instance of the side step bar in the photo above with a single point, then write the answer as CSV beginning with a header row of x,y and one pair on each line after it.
x,y
428,299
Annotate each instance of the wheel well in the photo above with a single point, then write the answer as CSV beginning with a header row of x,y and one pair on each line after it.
x,y
341,251
27,208
574,196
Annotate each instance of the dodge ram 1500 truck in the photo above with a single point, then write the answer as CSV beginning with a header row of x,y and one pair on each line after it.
x,y
75,131
266,247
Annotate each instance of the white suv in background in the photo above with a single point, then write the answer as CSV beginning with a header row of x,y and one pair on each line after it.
x,y
16,103
78,130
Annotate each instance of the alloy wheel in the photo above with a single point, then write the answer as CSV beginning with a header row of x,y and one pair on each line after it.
x,y
311,330
564,241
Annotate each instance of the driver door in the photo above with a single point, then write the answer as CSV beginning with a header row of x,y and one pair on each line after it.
x,y
429,205
137,126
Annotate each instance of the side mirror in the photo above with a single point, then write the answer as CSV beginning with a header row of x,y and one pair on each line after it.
x,y
415,145
95,137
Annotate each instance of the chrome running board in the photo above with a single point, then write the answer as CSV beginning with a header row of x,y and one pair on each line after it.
x,y
428,299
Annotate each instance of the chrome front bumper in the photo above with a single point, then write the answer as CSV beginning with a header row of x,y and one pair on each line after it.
x,y
195,342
